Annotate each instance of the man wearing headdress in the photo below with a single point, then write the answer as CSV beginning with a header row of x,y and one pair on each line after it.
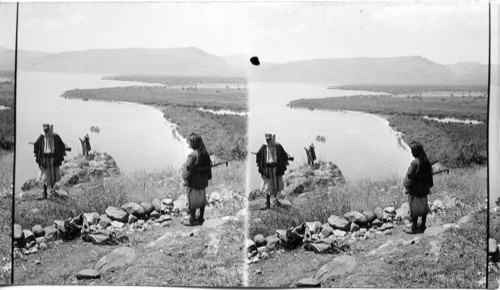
x,y
272,161
49,152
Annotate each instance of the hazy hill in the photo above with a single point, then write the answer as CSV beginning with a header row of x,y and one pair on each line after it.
x,y
470,72
367,70
7,57
173,61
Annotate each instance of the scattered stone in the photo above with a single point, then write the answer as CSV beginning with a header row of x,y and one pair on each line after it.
x,y
104,221
370,215
117,224
251,246
61,194
117,214
133,208
168,202
164,218
450,226
377,223
340,223
40,240
284,203
259,240
38,262
147,206
337,267
403,213
29,236
314,227
437,206
390,210
308,283
92,217
42,246
131,219
356,217
326,230
38,231
115,260
181,204
19,235
465,219
379,212
156,203
88,274
154,214
339,233
265,255
51,233
273,243
354,227
492,246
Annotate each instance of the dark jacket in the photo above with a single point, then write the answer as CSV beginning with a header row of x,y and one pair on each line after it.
x,y
281,162
59,151
418,180
198,170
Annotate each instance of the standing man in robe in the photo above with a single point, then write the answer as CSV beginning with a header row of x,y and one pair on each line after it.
x,y
272,161
49,152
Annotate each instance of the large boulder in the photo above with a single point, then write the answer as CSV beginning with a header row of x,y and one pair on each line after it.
x,y
336,268
117,214
356,217
492,246
133,208
116,259
250,245
340,223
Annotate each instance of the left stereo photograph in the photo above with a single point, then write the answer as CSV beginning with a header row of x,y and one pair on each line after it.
x,y
7,113
130,162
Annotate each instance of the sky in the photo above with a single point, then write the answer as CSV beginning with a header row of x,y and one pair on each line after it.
x,y
274,31
8,25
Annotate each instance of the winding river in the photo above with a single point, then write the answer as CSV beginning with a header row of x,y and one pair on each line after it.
x,y
137,136
362,145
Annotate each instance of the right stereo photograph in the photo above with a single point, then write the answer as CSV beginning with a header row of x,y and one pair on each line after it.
x,y
368,140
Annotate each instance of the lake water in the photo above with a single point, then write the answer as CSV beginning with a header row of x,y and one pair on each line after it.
x,y
137,136
362,145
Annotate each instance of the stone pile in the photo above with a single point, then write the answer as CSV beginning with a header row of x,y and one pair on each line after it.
x,y
129,218
352,226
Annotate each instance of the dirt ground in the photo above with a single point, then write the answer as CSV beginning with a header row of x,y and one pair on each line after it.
x,y
208,255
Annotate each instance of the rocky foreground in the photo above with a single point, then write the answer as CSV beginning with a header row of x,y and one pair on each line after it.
x,y
364,242
132,230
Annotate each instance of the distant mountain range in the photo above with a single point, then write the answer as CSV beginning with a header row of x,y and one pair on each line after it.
x,y
192,61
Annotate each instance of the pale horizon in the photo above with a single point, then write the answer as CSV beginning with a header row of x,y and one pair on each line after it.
x,y
275,32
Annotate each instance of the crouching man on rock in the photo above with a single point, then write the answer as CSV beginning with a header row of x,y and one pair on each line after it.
x,y
272,161
49,150
196,173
